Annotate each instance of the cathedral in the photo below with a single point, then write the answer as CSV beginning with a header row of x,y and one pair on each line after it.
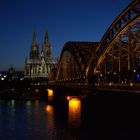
x,y
40,63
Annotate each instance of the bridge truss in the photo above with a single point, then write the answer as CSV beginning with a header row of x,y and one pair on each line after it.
x,y
73,61
117,57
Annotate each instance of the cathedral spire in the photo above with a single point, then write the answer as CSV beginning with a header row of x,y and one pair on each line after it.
x,y
34,53
46,37
46,47
34,43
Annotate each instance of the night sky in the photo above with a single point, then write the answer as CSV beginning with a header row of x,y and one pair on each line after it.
x,y
66,20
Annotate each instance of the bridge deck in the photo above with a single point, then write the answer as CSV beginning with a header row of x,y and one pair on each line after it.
x,y
120,88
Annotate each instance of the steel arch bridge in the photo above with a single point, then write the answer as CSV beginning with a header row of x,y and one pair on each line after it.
x,y
73,61
116,58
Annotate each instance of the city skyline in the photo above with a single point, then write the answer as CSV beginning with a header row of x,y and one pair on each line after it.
x,y
81,20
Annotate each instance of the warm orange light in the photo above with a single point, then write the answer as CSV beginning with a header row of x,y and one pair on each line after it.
x,y
131,84
74,116
49,108
50,92
68,97
74,103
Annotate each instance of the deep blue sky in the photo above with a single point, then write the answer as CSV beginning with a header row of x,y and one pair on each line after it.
x,y
66,20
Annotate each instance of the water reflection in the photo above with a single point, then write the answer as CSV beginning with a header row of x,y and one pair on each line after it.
x,y
31,120
50,116
29,107
74,112
50,121
36,103
70,118
49,109
12,111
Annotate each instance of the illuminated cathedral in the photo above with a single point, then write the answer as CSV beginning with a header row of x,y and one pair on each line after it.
x,y
39,63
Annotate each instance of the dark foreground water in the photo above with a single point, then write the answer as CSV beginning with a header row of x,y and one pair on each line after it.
x,y
94,117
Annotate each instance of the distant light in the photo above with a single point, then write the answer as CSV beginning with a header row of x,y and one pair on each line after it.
x,y
36,90
131,84
21,79
12,89
28,103
138,77
12,102
110,84
2,78
97,71
68,97
134,70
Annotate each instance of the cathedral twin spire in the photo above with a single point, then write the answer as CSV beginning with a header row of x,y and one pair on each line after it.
x,y
34,53
46,48
40,63
34,43
46,40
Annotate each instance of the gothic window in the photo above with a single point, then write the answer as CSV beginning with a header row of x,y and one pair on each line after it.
x,y
43,69
35,70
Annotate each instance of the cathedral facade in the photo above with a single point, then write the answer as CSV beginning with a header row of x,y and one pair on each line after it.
x,y
39,63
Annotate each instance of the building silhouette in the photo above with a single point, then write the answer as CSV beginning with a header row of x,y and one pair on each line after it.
x,y
40,63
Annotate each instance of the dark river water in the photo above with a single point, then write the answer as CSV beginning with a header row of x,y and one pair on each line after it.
x,y
94,117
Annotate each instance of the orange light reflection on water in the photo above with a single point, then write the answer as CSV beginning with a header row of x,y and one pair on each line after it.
x,y
49,108
74,112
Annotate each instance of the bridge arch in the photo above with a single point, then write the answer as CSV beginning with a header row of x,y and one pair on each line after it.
x,y
73,61
118,50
